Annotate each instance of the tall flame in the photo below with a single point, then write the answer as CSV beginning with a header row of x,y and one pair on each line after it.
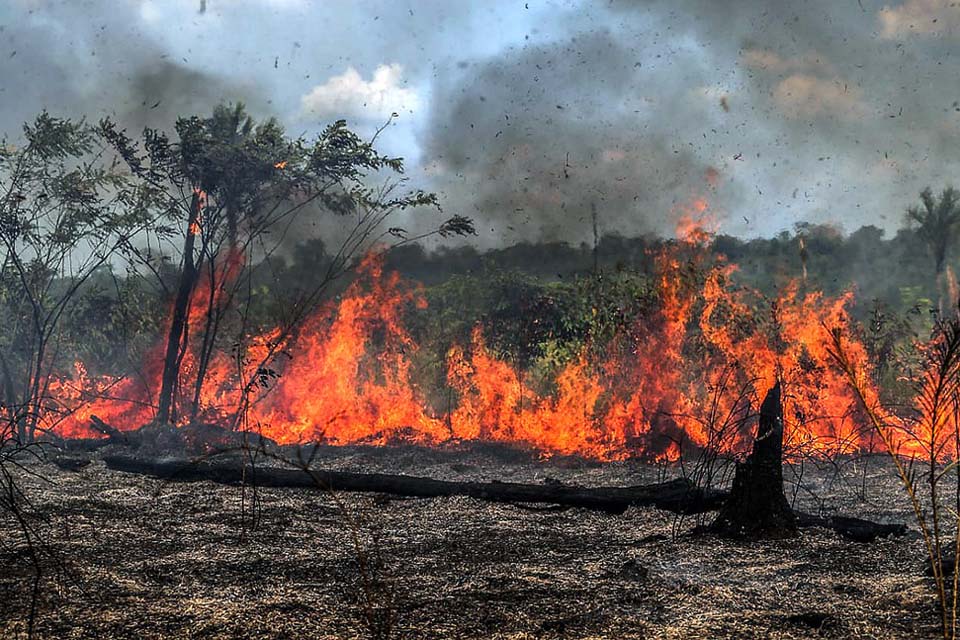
x,y
701,359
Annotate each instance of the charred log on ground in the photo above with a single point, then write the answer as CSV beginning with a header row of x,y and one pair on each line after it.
x,y
679,496
855,529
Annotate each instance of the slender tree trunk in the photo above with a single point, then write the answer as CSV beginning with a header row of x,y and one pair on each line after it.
x,y
206,348
9,393
11,402
178,322
232,228
33,403
938,282
214,310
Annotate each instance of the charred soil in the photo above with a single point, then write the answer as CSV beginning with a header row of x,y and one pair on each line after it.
x,y
139,557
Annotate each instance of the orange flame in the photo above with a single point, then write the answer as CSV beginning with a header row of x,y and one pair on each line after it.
x,y
349,376
195,225
695,222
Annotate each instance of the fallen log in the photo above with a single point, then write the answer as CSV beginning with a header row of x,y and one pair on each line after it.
x,y
679,496
851,528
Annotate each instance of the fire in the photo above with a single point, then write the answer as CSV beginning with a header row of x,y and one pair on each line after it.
x,y
695,222
280,165
336,390
695,372
201,199
497,406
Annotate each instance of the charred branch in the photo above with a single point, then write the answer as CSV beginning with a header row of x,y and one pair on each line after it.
x,y
854,529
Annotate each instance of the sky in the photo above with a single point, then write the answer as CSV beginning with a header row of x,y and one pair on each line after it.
x,y
529,115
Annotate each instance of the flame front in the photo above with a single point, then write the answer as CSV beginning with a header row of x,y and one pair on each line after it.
x,y
694,370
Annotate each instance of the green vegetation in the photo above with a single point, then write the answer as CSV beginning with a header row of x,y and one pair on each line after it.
x,y
93,224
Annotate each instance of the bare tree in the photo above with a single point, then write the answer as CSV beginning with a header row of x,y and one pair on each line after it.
x,y
64,212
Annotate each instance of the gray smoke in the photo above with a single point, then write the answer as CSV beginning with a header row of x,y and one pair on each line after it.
x,y
843,111
534,113
533,140
836,112
90,59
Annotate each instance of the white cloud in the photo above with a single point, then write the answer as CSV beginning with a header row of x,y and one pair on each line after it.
x,y
928,17
150,12
349,94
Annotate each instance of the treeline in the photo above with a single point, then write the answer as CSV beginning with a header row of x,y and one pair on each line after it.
x,y
539,298
896,271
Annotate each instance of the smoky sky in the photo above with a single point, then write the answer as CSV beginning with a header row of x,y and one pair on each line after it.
x,y
91,60
528,116
539,139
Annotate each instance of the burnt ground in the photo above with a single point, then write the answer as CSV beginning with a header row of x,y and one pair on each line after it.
x,y
140,558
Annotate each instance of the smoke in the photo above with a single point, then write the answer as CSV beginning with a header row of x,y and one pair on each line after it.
x,y
534,140
832,112
92,59
845,110
528,116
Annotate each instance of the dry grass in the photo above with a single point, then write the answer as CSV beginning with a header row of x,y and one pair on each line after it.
x,y
150,560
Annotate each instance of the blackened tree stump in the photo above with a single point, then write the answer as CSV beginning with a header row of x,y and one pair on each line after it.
x,y
757,506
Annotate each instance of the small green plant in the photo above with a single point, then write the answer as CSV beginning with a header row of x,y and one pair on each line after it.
x,y
919,440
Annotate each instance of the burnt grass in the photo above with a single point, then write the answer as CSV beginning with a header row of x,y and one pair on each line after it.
x,y
129,556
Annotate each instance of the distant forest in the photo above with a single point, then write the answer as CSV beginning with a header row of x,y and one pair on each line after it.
x,y
897,271
531,294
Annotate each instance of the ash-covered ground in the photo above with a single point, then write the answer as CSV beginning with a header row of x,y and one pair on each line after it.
x,y
135,557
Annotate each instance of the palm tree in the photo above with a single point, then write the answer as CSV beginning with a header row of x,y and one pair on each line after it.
x,y
936,222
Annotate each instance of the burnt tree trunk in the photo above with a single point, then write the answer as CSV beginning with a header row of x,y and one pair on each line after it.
x,y
757,506
206,345
178,322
